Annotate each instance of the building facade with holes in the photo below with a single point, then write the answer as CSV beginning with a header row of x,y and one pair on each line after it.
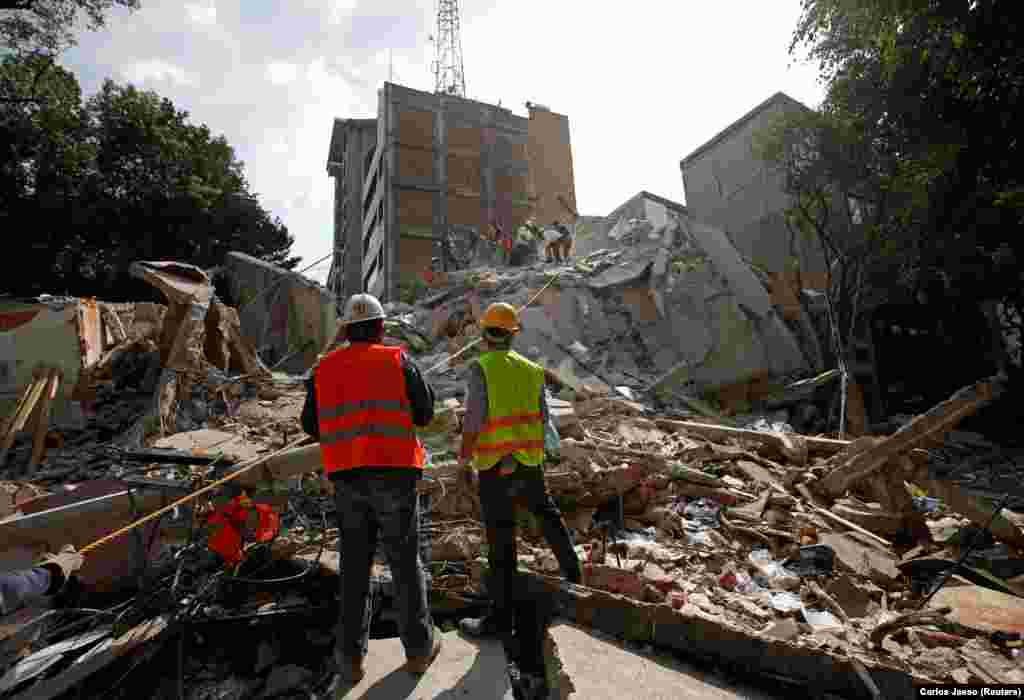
x,y
434,164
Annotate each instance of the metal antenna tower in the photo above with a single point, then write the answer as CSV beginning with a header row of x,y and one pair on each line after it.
x,y
449,76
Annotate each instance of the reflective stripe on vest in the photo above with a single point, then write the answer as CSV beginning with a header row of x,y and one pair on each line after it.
x,y
514,423
364,411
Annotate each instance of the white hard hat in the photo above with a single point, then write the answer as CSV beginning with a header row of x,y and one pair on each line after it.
x,y
362,307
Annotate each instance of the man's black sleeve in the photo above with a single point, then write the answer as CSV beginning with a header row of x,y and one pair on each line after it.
x,y
310,414
421,394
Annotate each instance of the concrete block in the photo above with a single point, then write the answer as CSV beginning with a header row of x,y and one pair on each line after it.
x,y
691,336
737,353
463,669
605,670
727,259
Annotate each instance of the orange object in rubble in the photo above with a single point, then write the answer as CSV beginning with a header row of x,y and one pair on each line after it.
x,y
230,521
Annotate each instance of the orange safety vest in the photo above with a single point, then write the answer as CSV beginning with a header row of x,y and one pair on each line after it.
x,y
365,416
228,522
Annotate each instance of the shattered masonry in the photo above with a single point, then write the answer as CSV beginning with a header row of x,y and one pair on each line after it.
x,y
743,539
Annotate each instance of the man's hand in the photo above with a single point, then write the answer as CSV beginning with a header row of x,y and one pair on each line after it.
x,y
63,565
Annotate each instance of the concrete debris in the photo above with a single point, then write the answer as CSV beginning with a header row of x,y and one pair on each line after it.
x,y
695,533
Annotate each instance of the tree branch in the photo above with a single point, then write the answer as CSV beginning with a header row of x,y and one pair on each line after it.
x,y
17,4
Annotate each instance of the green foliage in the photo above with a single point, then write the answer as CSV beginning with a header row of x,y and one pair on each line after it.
x,y
411,290
123,176
46,27
916,128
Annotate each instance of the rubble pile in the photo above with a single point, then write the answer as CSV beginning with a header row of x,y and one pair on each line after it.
x,y
747,529
692,471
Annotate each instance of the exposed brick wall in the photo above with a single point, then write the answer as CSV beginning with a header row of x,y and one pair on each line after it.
x,y
551,169
414,256
415,208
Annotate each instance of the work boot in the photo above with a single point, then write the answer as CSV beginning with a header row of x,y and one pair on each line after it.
x,y
480,627
528,686
420,664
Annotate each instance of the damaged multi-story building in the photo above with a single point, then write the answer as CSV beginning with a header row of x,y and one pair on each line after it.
x,y
434,165
729,186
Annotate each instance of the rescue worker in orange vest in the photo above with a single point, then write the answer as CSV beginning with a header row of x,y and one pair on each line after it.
x,y
503,442
362,403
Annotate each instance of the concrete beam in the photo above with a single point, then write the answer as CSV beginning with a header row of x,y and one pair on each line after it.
x,y
738,650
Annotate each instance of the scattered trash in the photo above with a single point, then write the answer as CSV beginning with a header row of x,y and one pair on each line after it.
x,y
762,425
925,504
785,602
821,619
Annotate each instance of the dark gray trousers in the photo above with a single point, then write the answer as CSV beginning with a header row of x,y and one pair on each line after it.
x,y
498,496
385,508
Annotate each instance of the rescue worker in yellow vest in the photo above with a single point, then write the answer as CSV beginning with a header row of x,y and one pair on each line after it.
x,y
362,402
503,443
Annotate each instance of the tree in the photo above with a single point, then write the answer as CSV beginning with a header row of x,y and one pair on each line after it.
x,y
46,27
123,177
935,85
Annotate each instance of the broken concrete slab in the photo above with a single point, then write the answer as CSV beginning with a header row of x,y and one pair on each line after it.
x,y
694,634
855,599
208,441
603,670
862,560
727,260
282,313
631,271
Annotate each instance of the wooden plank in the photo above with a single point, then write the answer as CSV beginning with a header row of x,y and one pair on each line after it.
x,y
816,445
33,392
925,427
43,424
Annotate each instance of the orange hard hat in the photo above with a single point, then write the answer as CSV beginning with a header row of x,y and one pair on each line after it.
x,y
501,315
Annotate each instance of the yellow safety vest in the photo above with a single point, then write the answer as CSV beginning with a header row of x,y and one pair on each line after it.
x,y
514,423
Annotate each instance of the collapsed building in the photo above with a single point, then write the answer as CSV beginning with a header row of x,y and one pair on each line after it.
x,y
717,514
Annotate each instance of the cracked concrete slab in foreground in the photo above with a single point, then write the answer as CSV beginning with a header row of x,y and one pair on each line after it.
x,y
592,667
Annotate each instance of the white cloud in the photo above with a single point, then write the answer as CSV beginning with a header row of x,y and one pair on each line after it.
x,y
156,70
282,73
339,11
204,13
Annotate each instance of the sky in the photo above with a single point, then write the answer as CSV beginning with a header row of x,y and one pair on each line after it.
x,y
643,83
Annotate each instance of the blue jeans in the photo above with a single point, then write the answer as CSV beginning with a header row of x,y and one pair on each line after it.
x,y
385,508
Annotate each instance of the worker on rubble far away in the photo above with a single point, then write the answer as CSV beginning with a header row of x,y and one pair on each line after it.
x,y
19,588
362,403
503,442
